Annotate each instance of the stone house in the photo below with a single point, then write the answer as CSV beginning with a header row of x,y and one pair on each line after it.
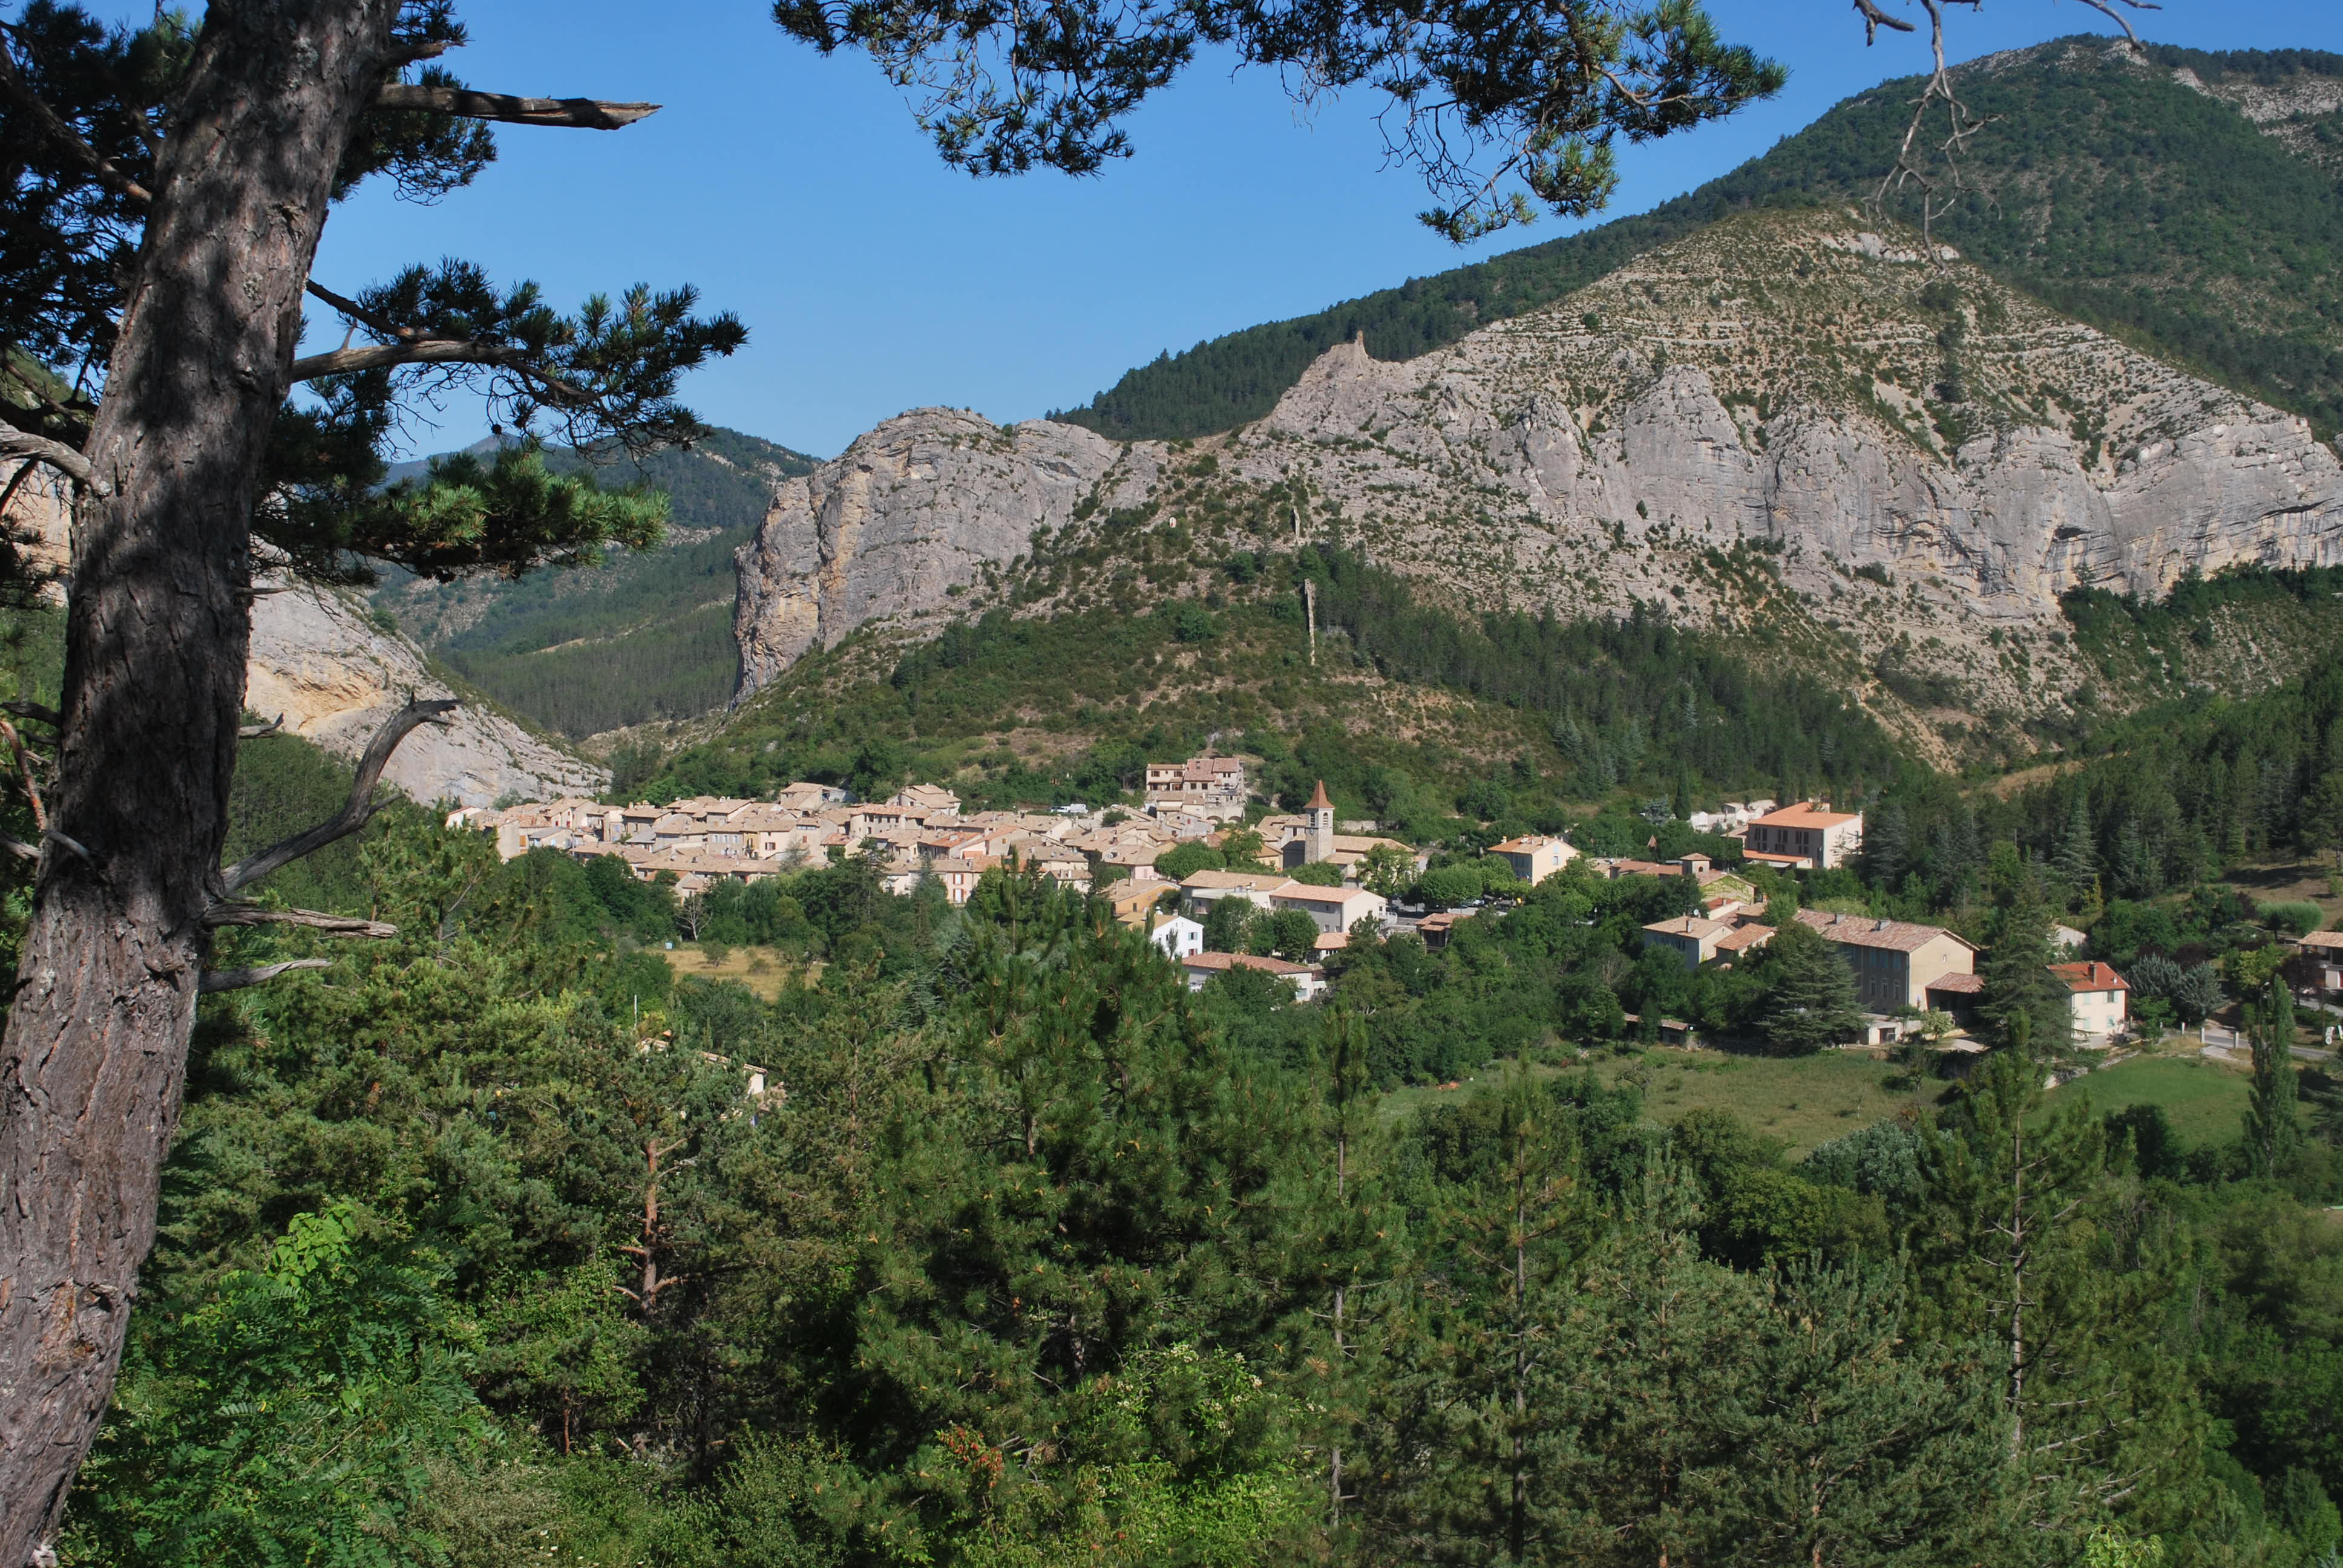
x,y
1534,857
1894,961
1334,909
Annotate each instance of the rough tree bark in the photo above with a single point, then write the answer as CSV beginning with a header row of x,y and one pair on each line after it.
x,y
96,1047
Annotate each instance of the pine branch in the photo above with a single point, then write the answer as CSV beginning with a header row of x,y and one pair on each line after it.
x,y
53,127
355,813
422,351
239,980
573,114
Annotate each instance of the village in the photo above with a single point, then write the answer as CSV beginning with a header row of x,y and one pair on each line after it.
x,y
1344,878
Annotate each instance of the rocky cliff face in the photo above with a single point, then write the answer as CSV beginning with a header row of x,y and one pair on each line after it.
x,y
320,660
911,516
1925,460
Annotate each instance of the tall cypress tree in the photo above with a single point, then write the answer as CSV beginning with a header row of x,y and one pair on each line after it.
x,y
2272,1131
2076,863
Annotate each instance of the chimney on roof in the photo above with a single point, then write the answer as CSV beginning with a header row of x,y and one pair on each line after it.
x,y
1881,925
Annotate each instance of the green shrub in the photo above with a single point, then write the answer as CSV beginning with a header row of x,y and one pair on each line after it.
x,y
2297,919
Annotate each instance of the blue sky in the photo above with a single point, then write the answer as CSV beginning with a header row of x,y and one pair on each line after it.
x,y
796,192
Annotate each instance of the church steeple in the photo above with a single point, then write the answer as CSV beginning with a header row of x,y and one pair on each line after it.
x,y
1321,825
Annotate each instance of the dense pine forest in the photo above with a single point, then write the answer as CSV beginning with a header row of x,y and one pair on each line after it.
x,y
972,1236
1016,1252
2106,188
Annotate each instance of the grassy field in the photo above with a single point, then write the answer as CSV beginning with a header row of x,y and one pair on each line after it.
x,y
2206,1101
763,971
1806,1101
1809,1100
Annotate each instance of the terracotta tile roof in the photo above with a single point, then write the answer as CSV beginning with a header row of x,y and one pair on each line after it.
x,y
2326,941
1741,938
2091,976
1957,985
1688,926
1222,961
1265,882
1805,815
1863,931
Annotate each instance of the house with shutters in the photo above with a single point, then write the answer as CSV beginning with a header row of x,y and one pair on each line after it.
x,y
1894,961
1805,836
2098,1000
1534,857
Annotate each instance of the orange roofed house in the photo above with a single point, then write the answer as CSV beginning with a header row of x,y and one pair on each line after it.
x,y
1806,836
2096,1000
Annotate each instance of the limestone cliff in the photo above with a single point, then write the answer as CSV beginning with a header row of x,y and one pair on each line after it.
x,y
318,660
907,518
1927,459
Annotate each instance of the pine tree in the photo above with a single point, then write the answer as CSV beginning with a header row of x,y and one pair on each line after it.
x,y
2018,983
1862,1446
2032,1249
1810,1001
2077,865
1347,1241
1473,1454
2273,1133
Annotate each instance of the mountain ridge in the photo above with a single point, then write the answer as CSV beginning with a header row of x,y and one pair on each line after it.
x,y
2209,176
1790,426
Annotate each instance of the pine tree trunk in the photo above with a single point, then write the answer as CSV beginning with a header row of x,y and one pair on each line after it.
x,y
96,1046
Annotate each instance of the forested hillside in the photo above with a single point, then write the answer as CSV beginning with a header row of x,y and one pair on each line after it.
x,y
642,636
1407,711
2103,186
1021,1254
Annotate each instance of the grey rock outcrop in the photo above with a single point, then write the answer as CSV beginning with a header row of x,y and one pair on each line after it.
x,y
909,515
318,660
1800,382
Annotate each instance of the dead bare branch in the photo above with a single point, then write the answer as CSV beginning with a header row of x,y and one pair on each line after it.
x,y
24,771
233,912
354,814
64,460
18,848
1873,19
238,980
34,711
254,731
1939,194
574,113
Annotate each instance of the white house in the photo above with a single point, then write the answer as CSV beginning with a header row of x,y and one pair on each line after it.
x,y
1334,909
1179,936
2098,1000
1805,835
